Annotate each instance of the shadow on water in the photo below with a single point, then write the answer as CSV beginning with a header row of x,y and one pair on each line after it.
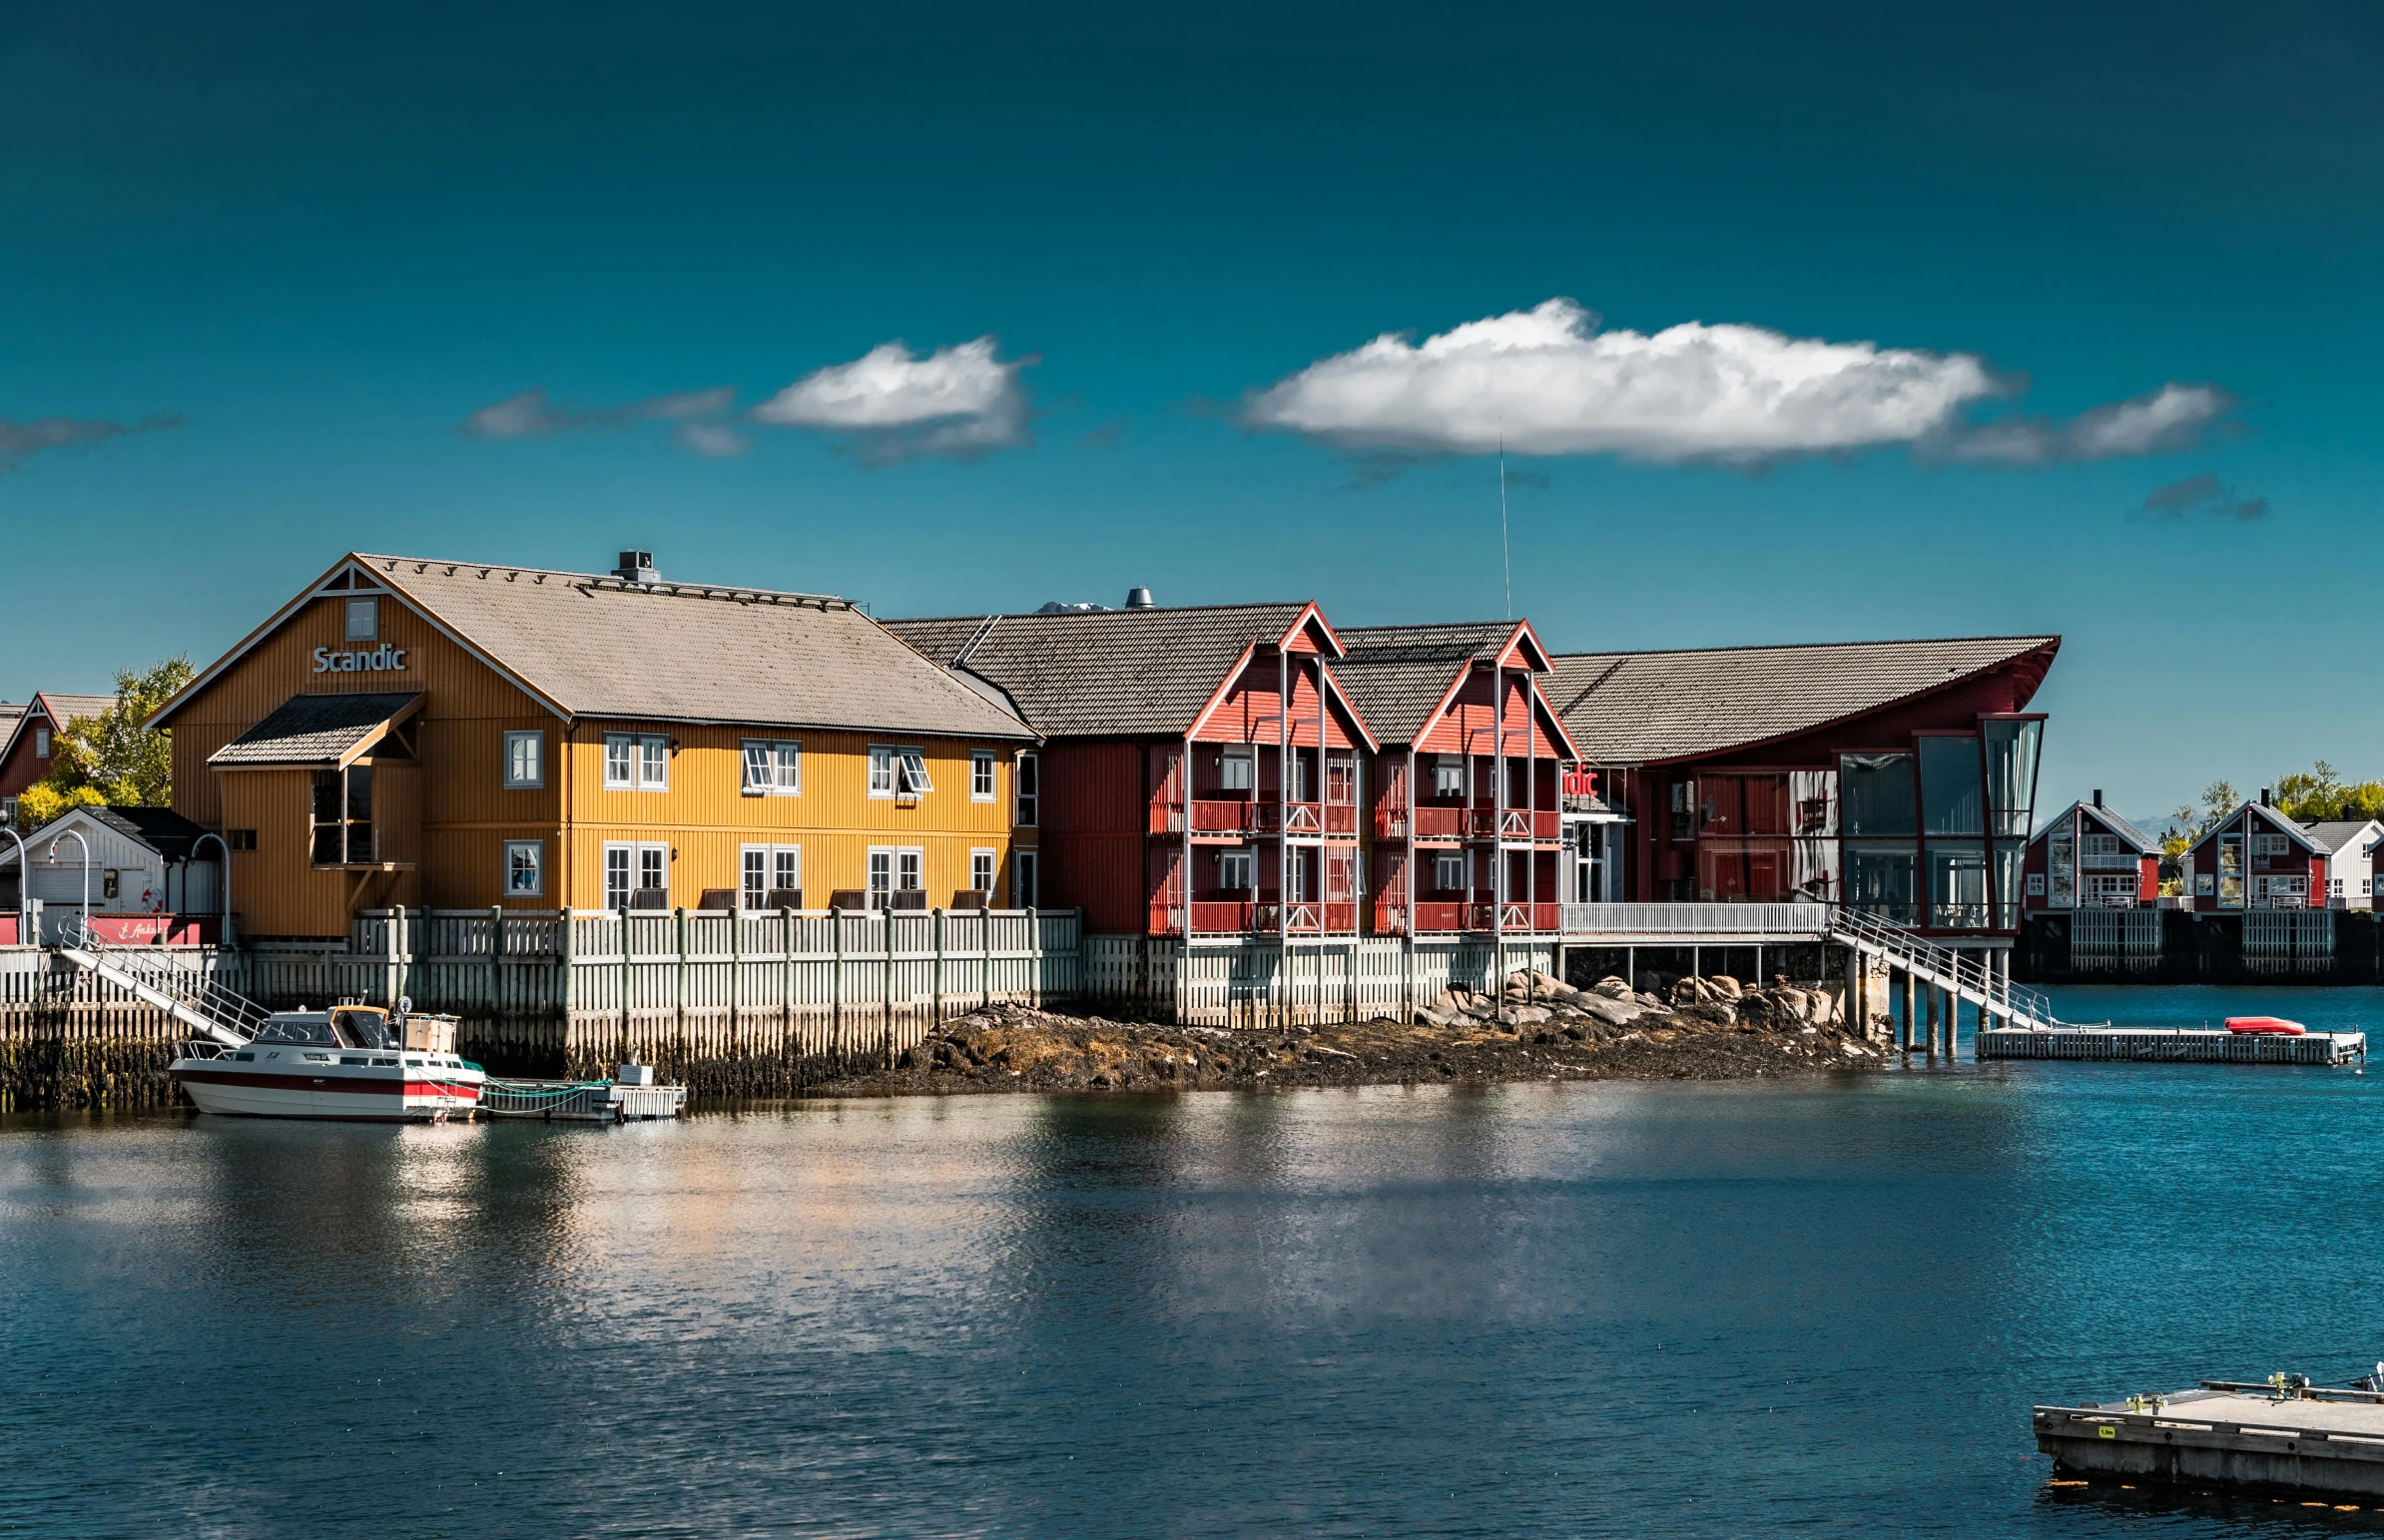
x,y
2175,1510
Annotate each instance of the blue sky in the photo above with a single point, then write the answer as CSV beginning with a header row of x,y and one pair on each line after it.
x,y
306,244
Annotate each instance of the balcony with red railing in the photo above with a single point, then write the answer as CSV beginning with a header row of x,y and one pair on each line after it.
x,y
1232,918
1235,818
1446,918
1514,823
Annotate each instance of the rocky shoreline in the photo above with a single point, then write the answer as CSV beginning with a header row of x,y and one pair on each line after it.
x,y
1538,1028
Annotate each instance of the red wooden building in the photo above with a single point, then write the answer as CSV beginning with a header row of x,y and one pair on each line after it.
x,y
1894,777
26,743
1466,827
2257,858
2087,857
1203,770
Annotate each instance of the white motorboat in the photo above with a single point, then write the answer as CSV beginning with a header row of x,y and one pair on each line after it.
x,y
352,1062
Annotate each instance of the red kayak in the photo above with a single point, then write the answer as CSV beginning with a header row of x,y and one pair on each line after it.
x,y
2272,1025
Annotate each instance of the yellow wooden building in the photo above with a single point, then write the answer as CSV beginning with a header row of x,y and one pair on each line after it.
x,y
458,735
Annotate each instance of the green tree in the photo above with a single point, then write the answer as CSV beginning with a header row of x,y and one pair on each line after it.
x,y
110,758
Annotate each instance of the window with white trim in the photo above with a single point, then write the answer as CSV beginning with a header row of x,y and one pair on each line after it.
x,y
2102,844
1028,788
910,773
630,869
981,868
770,877
2270,845
773,768
363,620
980,777
41,742
1237,870
882,771
895,869
637,762
525,869
526,761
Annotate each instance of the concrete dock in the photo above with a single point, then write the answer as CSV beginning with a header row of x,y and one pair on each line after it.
x,y
2297,1440
2182,1046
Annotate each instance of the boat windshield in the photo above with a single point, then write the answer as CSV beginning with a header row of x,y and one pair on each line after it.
x,y
361,1029
313,1031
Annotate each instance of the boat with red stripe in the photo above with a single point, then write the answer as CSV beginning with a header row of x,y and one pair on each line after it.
x,y
349,1062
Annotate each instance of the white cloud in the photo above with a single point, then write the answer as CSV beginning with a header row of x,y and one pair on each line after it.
x,y
21,440
959,401
2163,421
531,414
1547,381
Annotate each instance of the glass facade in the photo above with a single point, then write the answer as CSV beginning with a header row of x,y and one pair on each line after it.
x,y
1874,794
2011,750
1958,885
1879,879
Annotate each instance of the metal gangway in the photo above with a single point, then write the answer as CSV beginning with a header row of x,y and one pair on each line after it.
x,y
1962,973
187,993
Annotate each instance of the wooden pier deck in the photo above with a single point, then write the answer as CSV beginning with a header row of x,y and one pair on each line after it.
x,y
2180,1046
2306,1442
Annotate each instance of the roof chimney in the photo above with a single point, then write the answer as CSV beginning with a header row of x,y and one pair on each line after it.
x,y
2267,796
1139,599
636,566
2098,796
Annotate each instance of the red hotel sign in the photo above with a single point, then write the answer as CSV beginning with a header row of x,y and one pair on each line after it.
x,y
1580,782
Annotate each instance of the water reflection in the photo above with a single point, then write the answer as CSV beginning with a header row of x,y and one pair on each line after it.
x,y
1520,1309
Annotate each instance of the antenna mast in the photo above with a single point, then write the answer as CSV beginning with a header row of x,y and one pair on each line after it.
x,y
1506,564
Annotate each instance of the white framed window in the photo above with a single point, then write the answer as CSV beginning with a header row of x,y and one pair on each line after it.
x,y
1448,775
637,762
1449,870
2102,844
895,869
882,771
773,768
1237,770
2270,845
526,761
1025,878
980,777
910,773
1028,787
1237,870
770,877
630,869
525,869
41,742
2036,884
981,868
364,618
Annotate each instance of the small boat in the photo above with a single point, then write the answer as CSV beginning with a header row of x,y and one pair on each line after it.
x,y
2265,1026
350,1062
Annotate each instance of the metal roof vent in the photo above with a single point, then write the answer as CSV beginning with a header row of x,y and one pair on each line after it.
x,y
1139,599
637,567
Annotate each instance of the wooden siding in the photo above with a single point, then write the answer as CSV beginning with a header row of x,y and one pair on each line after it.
x,y
1094,817
1248,712
706,815
277,890
1470,724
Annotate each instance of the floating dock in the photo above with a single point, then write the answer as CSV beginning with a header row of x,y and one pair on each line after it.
x,y
2180,1046
580,1101
2290,1438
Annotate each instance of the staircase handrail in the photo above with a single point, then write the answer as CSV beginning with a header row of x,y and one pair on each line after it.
x,y
1949,965
223,1008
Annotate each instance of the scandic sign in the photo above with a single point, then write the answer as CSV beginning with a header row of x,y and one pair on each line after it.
x,y
381,659
1580,782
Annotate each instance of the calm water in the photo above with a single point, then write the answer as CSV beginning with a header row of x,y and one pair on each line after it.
x,y
1627,1310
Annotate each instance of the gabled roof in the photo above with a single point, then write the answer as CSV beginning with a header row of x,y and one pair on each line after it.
x,y
53,707
587,645
162,830
2142,842
1090,673
1402,677
2335,834
2268,816
317,729
1640,708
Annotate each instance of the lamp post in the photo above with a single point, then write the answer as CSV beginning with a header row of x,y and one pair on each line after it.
x,y
76,835
24,888
224,928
